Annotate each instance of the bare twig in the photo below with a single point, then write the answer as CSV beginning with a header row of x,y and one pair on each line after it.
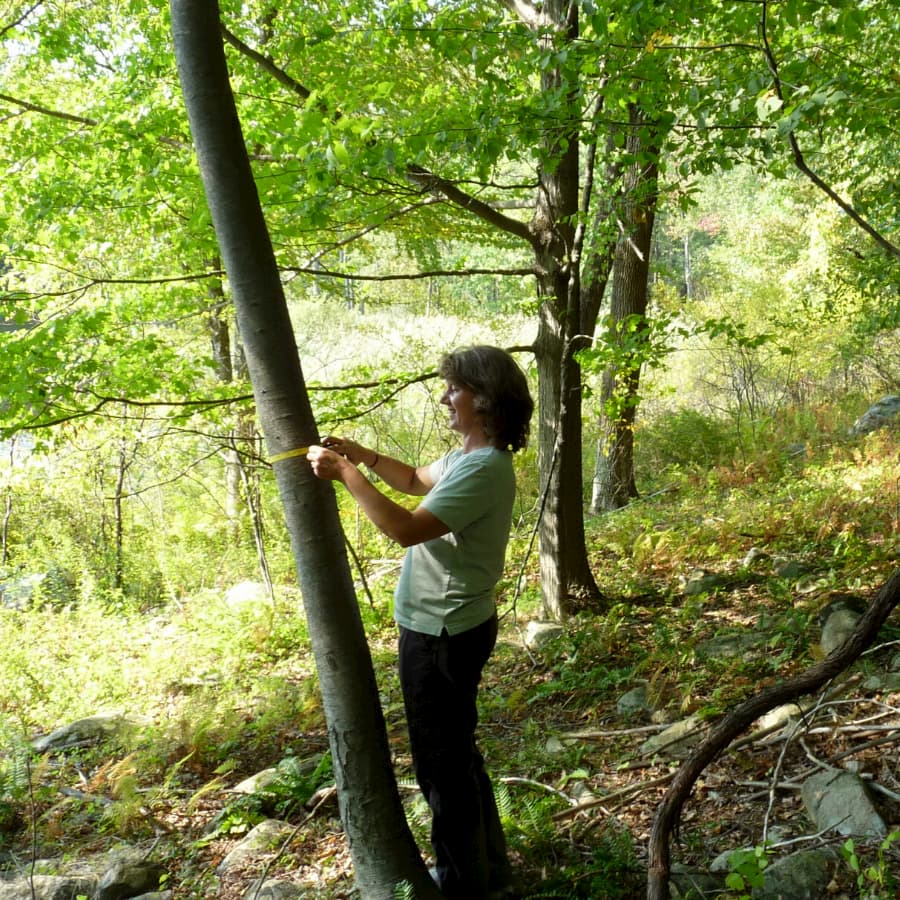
x,y
541,786
779,765
891,738
602,735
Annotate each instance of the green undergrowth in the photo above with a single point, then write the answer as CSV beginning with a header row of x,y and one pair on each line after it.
x,y
218,692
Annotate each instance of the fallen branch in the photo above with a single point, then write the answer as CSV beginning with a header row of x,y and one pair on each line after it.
x,y
813,679
615,795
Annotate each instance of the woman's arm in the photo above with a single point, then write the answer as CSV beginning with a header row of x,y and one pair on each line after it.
x,y
399,475
398,523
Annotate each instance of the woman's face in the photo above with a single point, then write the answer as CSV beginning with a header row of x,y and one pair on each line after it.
x,y
460,401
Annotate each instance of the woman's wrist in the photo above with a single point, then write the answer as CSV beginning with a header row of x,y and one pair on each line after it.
x,y
374,462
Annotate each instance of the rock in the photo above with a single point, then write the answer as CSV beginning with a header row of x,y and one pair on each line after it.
x,y
273,889
676,739
727,860
735,645
838,619
247,593
538,634
93,729
662,717
256,783
888,683
263,838
581,793
47,887
555,745
880,415
128,878
790,569
688,883
782,715
18,591
633,703
800,876
753,555
704,583
839,800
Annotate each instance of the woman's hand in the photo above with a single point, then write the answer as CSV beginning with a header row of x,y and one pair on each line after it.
x,y
328,464
356,453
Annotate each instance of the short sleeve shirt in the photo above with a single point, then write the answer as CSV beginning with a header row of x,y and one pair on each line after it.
x,y
449,582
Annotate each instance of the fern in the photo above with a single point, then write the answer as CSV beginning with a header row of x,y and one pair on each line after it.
x,y
404,891
15,781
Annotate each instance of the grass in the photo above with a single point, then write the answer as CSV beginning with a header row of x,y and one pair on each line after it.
x,y
229,690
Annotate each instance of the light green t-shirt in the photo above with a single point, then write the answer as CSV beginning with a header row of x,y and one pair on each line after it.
x,y
449,582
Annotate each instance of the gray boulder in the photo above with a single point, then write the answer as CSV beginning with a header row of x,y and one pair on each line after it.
x,y
677,739
47,887
538,634
880,415
800,876
93,729
688,883
129,879
840,800
247,593
634,703
265,837
838,619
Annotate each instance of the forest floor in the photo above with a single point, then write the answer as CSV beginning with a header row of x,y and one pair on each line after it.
x,y
577,794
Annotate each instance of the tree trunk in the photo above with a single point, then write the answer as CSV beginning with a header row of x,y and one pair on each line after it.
x,y
119,534
567,583
384,853
8,505
614,483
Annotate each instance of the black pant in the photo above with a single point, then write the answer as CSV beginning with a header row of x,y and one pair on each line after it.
x,y
439,677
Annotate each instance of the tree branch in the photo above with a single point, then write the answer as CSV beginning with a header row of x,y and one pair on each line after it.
x,y
416,174
434,184
396,214
267,64
519,271
16,22
411,276
723,733
45,111
797,153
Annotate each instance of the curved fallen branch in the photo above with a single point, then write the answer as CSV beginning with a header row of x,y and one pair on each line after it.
x,y
740,718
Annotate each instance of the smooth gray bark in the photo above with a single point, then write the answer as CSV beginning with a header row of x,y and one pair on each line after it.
x,y
383,850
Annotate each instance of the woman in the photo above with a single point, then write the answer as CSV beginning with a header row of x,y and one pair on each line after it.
x,y
444,601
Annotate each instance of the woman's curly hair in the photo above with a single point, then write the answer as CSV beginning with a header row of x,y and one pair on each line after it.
x,y
500,389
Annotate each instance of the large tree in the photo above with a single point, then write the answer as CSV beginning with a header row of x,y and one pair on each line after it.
x,y
381,844
506,123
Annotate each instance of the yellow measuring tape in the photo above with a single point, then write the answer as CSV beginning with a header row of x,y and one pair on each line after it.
x,y
288,454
